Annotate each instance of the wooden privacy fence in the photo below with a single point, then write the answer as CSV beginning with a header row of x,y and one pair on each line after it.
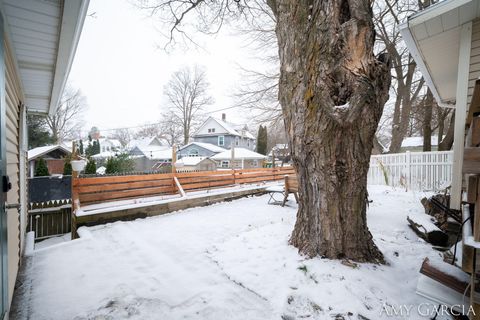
x,y
91,190
48,219
413,170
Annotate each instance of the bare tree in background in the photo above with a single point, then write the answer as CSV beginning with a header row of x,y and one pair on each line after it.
x,y
167,128
170,129
187,92
149,130
332,90
67,121
408,82
124,136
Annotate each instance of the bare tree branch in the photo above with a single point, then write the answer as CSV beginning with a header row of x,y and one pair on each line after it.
x,y
67,121
187,92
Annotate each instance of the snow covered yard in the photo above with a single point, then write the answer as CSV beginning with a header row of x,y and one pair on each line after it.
x,y
227,261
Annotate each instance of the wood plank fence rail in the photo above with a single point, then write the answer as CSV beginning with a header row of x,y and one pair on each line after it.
x,y
91,190
412,170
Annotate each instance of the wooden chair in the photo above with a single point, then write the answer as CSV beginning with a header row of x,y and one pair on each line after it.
x,y
291,186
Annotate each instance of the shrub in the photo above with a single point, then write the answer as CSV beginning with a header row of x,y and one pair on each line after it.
x,y
41,170
67,167
119,164
91,167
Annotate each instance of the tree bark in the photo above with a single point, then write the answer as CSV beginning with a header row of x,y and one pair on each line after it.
x,y
441,124
447,142
332,92
427,121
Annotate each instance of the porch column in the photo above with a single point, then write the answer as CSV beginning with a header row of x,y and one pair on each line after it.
x,y
460,114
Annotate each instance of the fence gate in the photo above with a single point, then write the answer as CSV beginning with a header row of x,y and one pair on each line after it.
x,y
50,219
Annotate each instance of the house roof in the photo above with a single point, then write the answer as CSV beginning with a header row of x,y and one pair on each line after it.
x,y
40,151
204,145
114,142
156,152
279,147
104,155
433,38
239,153
143,142
190,161
232,128
43,36
417,141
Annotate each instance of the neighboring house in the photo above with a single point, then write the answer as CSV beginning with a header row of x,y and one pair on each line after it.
x,y
224,134
196,164
199,149
38,43
54,156
151,157
443,39
149,154
281,152
243,159
135,145
415,144
101,158
107,144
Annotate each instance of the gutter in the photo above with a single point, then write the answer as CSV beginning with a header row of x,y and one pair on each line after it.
x,y
434,11
73,11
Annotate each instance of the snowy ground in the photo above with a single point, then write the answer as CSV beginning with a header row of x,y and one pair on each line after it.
x,y
227,261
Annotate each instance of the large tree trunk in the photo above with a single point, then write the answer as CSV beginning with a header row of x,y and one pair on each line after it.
x,y
332,92
427,121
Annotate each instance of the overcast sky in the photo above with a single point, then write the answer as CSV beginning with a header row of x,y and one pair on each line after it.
x,y
121,67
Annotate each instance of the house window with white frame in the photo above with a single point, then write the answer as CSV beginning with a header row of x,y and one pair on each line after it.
x,y
237,141
221,141
225,164
193,153
211,130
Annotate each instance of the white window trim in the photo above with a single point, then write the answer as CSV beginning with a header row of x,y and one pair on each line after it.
x,y
192,154
223,141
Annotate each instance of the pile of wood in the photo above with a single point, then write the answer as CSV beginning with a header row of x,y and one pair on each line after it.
x,y
447,220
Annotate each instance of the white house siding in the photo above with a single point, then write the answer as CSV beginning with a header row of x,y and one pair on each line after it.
x,y
211,124
13,102
474,73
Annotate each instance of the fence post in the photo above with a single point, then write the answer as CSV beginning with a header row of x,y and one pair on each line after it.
x,y
408,168
75,200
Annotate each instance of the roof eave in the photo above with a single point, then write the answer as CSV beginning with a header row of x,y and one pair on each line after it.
x,y
417,56
73,17
421,17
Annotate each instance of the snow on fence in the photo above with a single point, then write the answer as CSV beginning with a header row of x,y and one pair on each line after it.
x,y
413,170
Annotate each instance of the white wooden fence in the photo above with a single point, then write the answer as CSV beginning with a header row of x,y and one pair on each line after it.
x,y
413,170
